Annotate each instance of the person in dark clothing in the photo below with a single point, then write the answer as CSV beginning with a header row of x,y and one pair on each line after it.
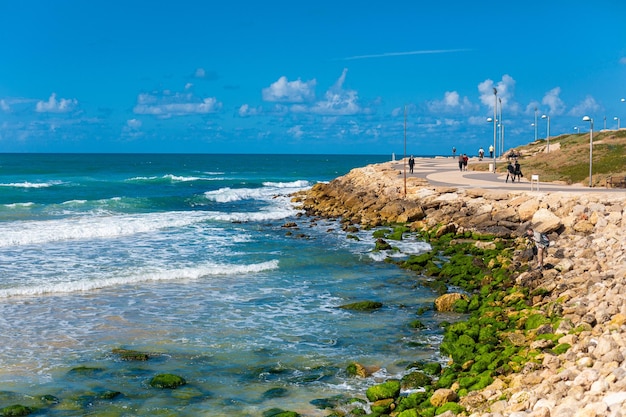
x,y
510,172
461,161
411,164
517,171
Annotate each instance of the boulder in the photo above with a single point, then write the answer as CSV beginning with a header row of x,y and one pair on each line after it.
x,y
446,301
388,389
442,396
545,221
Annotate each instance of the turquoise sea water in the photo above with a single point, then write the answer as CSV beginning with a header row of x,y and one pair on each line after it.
x,y
187,257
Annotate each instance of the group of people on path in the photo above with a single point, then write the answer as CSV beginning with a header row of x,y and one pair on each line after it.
x,y
463,158
514,171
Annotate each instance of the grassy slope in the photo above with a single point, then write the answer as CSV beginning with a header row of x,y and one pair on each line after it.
x,y
568,160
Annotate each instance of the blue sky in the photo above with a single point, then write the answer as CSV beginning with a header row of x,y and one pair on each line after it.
x,y
304,77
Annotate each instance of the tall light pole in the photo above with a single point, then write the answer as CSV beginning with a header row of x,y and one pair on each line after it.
x,y
548,135
590,120
495,129
404,159
501,128
617,118
535,124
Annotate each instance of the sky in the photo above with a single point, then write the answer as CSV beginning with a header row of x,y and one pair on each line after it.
x,y
324,77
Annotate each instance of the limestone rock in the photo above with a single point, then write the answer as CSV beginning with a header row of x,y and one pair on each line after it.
x,y
442,396
545,221
446,301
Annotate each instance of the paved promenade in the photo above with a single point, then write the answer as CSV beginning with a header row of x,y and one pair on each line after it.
x,y
445,171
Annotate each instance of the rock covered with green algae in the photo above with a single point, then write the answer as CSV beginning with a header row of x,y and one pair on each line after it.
x,y
131,355
362,306
385,390
16,410
167,381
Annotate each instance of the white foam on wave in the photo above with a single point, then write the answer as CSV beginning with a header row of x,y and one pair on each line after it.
x,y
291,184
89,227
228,195
172,178
193,273
106,226
16,205
268,191
27,184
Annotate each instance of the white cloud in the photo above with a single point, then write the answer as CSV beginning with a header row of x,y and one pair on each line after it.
x,y
623,60
296,131
246,111
200,73
505,88
530,108
4,106
285,91
132,129
554,102
168,104
56,106
133,123
337,100
588,105
451,102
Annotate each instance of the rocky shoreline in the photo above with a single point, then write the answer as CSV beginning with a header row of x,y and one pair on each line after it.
x,y
585,277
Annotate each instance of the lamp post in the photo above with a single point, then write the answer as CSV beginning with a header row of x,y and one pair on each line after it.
x,y
495,129
535,124
548,134
501,138
590,120
617,118
404,159
501,128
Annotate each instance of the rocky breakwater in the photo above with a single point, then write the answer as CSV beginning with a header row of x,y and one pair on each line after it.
x,y
585,279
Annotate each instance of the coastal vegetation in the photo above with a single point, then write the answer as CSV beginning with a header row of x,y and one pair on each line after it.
x,y
567,159
503,331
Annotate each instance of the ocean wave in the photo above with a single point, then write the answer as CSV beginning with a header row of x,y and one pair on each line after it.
x,y
106,226
17,205
90,227
28,184
228,195
269,191
291,184
169,178
179,274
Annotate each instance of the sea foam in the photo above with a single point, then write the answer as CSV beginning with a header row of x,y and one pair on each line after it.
x,y
179,274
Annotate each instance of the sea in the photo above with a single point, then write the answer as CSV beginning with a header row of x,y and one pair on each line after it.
x,y
204,262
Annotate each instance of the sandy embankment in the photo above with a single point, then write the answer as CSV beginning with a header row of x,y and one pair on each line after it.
x,y
586,276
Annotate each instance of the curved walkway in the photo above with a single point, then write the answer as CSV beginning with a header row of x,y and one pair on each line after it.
x,y
445,172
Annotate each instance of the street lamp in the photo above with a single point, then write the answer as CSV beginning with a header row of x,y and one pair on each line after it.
x,y
617,118
548,135
590,120
495,129
535,124
501,128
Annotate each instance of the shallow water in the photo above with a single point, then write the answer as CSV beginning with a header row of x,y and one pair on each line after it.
x,y
186,257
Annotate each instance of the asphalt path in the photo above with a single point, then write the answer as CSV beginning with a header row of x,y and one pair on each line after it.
x,y
445,172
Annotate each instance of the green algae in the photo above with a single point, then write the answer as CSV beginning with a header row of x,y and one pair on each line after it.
x,y
167,381
362,306
16,410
